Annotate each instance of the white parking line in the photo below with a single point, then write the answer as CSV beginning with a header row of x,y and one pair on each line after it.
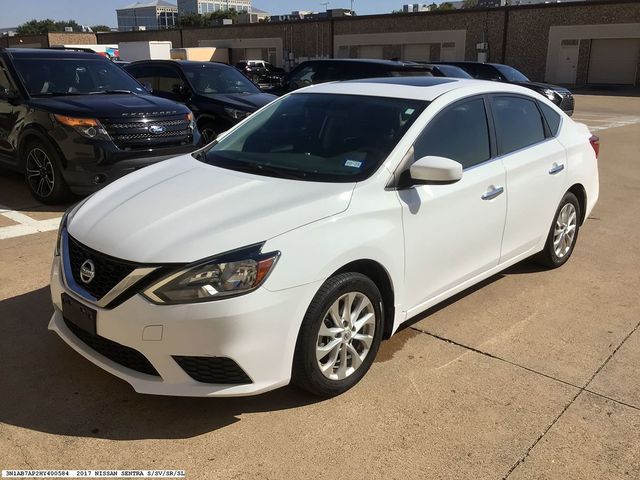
x,y
597,122
25,224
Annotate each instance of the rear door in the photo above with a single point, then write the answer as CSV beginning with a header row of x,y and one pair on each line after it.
x,y
536,175
8,114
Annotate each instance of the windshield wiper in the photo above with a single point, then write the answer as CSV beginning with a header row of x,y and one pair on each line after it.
x,y
55,94
280,172
113,92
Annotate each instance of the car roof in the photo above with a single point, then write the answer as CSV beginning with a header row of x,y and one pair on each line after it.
x,y
390,63
50,53
414,88
181,62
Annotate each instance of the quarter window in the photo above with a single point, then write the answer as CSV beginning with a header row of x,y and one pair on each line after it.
x,y
552,117
460,133
518,123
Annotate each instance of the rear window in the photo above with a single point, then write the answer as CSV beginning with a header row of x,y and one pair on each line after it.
x,y
552,117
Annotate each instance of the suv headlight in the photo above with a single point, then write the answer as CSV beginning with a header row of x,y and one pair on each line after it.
x,y
87,127
237,114
228,275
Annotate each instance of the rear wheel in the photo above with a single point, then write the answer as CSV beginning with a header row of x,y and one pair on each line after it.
x,y
43,174
563,234
340,335
208,132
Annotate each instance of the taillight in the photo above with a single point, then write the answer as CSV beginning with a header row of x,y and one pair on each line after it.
x,y
595,144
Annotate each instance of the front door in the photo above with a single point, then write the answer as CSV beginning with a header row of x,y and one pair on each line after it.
x,y
453,232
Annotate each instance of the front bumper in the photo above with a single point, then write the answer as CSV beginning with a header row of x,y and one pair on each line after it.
x,y
258,331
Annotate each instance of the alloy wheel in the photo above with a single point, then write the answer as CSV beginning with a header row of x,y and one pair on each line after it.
x,y
40,172
345,336
565,230
209,134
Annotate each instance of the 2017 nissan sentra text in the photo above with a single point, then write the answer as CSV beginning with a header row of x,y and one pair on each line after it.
x,y
288,249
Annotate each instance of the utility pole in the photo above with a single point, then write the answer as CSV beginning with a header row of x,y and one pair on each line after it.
x,y
352,6
326,5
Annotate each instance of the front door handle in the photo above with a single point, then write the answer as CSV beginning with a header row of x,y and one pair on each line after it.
x,y
556,168
492,193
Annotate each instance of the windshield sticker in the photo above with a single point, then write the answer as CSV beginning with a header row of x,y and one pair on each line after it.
x,y
409,111
352,164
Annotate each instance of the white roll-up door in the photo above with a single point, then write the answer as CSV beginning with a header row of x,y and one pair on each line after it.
x,y
416,52
370,51
614,60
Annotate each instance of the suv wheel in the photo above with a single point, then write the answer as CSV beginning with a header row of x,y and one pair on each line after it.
x,y
563,234
340,335
208,132
43,175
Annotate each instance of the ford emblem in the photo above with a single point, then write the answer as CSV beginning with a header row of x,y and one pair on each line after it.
x,y
157,129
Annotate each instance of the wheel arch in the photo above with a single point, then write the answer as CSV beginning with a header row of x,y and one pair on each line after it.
x,y
581,194
380,276
35,132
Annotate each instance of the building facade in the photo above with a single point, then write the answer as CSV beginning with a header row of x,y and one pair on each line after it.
x,y
415,7
152,15
210,6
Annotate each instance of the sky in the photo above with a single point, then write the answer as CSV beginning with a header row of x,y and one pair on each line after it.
x,y
94,12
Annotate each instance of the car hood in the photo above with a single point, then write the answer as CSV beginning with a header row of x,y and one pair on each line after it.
x,y
183,210
108,105
541,85
245,101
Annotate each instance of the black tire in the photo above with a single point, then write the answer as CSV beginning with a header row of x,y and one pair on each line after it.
x,y
549,256
208,131
306,373
43,174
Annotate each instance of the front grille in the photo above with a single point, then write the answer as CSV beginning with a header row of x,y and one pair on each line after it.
x,y
125,356
567,102
108,271
136,134
220,370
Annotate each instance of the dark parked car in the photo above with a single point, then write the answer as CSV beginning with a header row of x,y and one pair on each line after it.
x,y
504,73
313,72
73,122
261,72
219,95
442,70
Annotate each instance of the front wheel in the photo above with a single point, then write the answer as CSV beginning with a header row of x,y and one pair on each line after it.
x,y
43,174
340,335
563,234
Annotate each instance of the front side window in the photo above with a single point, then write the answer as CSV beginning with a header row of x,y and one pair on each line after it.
x,y
317,137
518,123
5,85
459,133
303,76
69,76
168,80
511,74
209,79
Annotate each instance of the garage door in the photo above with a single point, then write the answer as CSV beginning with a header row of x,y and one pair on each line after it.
x,y
254,54
614,60
370,51
416,53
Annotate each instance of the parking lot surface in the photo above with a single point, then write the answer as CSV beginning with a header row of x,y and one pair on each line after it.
x,y
533,374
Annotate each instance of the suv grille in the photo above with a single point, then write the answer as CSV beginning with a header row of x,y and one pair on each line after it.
x,y
567,101
136,133
125,356
219,370
108,271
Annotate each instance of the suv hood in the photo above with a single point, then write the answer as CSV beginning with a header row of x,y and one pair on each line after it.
x,y
108,105
245,101
183,210
541,85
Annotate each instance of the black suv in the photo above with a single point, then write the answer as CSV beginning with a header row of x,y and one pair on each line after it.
x,y
504,73
261,72
74,121
313,72
219,95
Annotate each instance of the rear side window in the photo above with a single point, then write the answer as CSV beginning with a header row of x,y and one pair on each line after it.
x,y
552,117
518,123
460,133
482,71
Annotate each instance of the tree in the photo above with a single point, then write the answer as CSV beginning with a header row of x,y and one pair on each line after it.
x,y
100,28
40,27
206,19
470,4
446,6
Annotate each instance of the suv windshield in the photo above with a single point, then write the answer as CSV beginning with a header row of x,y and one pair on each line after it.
x,y
317,137
74,76
211,79
511,74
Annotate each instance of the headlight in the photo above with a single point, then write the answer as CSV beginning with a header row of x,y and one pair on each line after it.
x,y
190,119
225,276
237,114
66,218
550,94
87,127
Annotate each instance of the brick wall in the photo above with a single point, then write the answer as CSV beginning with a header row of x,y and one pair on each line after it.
x,y
72,38
145,36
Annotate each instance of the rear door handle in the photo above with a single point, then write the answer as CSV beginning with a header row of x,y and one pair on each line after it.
x,y
556,168
492,193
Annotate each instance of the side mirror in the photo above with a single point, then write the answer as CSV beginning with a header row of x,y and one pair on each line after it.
x,y
179,89
8,95
435,170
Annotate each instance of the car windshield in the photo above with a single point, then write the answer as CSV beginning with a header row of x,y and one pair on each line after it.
x,y
453,72
317,137
208,79
74,76
511,74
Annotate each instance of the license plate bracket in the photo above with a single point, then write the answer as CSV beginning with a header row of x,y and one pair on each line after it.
x,y
80,315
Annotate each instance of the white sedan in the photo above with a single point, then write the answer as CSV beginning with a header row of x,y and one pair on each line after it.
x,y
289,248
